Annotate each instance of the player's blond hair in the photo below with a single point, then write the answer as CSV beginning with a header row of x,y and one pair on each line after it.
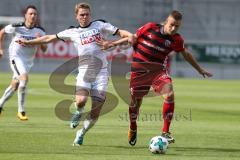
x,y
82,5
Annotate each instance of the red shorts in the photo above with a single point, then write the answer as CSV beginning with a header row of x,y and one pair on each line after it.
x,y
142,81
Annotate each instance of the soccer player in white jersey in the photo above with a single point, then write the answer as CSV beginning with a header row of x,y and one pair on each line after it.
x,y
21,57
92,78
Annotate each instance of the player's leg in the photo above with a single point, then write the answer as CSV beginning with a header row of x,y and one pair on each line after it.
x,y
21,70
98,95
81,99
139,87
82,93
8,92
163,86
91,119
133,115
22,88
167,113
12,87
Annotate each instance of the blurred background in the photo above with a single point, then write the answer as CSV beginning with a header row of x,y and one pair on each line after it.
x,y
211,29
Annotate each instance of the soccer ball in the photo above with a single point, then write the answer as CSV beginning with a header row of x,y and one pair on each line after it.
x,y
158,145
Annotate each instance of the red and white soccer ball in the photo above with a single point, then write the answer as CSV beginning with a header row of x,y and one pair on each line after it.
x,y
158,145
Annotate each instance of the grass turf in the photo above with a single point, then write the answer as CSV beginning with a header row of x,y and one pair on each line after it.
x,y
205,126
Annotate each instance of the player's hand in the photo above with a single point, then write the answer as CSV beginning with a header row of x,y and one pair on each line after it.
x,y
205,73
132,39
1,53
104,44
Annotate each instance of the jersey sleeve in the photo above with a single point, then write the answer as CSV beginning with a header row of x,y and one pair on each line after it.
x,y
65,35
179,46
42,33
9,29
142,29
109,28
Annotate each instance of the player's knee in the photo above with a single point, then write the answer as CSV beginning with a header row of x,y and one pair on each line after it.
x,y
15,85
22,84
136,102
81,101
169,97
97,103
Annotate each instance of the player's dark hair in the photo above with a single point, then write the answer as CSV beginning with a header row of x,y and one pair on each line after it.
x,y
176,15
28,7
82,5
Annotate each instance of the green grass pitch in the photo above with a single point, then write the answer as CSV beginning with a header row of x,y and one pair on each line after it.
x,y
206,125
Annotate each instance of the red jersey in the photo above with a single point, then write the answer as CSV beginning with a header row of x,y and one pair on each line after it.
x,y
153,46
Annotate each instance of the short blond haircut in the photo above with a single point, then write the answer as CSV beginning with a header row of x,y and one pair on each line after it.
x,y
82,5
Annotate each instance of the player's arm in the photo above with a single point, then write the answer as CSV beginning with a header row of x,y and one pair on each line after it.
x,y
43,47
105,44
123,34
2,32
38,41
191,60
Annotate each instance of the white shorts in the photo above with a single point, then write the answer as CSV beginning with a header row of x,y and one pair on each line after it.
x,y
19,67
95,82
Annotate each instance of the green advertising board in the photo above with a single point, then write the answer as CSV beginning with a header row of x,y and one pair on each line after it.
x,y
214,53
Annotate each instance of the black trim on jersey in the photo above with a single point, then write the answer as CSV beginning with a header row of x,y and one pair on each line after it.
x,y
115,32
71,27
15,67
39,27
60,38
101,20
85,26
20,24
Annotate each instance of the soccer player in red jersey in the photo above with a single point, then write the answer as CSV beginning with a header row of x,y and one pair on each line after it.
x,y
152,44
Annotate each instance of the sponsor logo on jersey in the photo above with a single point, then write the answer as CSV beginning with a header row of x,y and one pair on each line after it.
x,y
90,36
27,37
153,46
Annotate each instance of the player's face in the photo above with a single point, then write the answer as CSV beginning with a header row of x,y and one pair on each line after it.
x,y
83,17
31,16
172,25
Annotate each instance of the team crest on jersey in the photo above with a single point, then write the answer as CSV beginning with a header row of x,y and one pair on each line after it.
x,y
90,36
167,43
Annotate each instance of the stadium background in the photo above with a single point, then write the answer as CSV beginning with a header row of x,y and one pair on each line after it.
x,y
206,118
210,27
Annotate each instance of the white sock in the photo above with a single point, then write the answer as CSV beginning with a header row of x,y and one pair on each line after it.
x,y
87,124
80,110
21,96
7,94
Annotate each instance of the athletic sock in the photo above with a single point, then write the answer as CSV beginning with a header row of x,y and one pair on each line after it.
x,y
21,95
133,115
7,94
87,124
167,113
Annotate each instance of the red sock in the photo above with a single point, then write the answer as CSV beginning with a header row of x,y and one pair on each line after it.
x,y
167,113
133,114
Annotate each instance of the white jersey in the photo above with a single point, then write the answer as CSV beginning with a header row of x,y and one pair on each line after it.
x,y
20,31
84,39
